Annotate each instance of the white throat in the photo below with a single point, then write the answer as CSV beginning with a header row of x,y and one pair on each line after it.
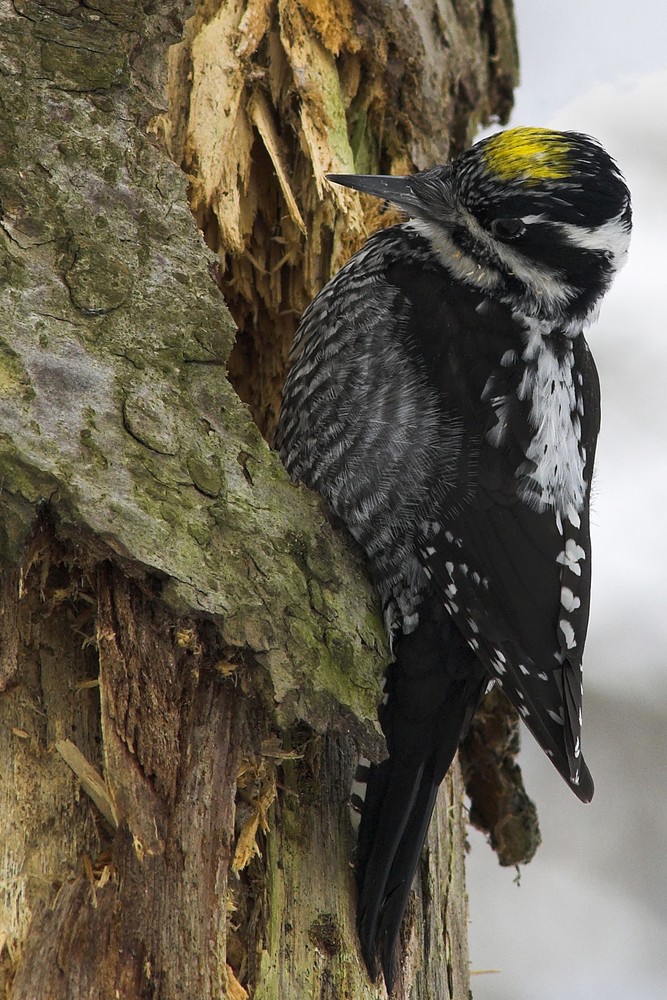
x,y
556,457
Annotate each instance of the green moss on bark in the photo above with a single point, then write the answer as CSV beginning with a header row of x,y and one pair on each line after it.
x,y
113,399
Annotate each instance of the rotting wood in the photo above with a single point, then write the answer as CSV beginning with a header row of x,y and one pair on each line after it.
x,y
309,88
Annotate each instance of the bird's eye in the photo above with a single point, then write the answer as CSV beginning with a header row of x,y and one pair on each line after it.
x,y
507,229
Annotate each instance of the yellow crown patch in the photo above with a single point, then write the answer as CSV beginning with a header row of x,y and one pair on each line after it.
x,y
534,154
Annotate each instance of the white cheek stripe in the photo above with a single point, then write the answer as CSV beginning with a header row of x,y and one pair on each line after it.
x,y
460,265
612,237
545,283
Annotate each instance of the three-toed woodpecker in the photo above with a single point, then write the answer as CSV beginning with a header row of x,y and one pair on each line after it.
x,y
445,403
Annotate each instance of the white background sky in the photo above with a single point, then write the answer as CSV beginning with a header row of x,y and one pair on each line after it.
x,y
589,919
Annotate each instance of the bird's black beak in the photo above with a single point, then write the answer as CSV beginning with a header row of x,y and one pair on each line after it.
x,y
397,190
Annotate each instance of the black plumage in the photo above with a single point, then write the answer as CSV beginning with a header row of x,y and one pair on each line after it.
x,y
445,403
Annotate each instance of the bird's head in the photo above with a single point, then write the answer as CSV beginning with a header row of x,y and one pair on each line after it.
x,y
536,218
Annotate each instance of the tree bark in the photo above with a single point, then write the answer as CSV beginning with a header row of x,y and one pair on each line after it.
x,y
189,650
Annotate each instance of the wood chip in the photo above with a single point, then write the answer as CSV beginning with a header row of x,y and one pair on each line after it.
x,y
91,782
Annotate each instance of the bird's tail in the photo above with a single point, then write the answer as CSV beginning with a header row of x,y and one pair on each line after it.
x,y
395,819
431,693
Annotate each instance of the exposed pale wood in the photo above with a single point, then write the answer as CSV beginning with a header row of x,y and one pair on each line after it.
x,y
312,87
92,782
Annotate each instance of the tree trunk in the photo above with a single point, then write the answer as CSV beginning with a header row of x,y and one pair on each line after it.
x,y
189,650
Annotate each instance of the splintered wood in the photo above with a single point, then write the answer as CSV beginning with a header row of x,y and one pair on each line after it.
x,y
264,121
256,786
268,96
92,782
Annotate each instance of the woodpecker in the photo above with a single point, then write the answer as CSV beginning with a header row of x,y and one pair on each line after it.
x,y
444,402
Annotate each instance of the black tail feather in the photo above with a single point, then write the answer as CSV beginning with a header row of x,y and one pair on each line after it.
x,y
391,799
402,875
432,691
